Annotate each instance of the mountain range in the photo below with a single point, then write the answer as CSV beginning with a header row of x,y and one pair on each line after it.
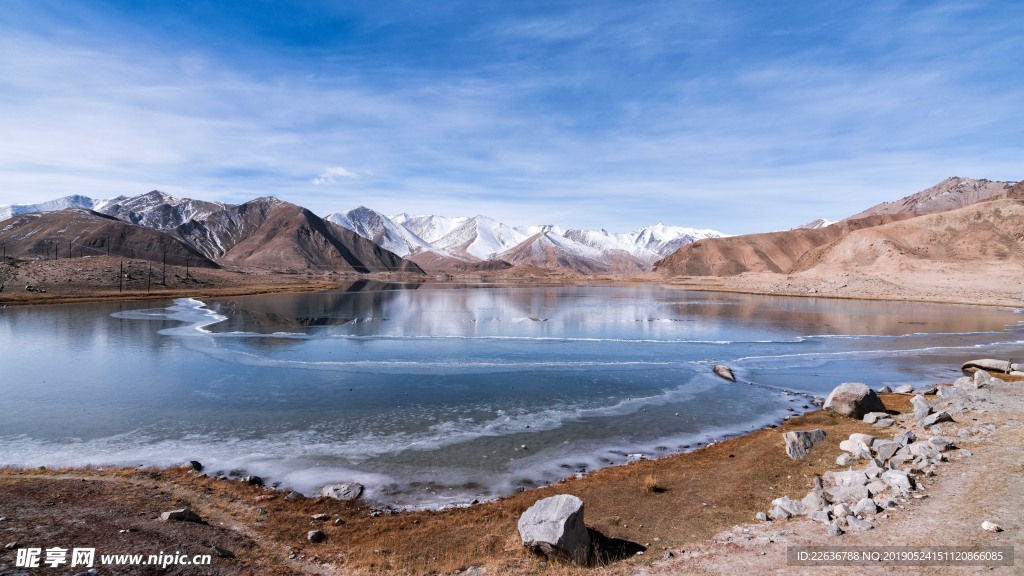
x,y
270,234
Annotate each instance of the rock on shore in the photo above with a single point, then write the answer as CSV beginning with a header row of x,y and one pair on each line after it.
x,y
554,527
889,471
348,491
799,442
854,399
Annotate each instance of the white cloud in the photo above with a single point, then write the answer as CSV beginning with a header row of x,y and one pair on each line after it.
x,y
330,175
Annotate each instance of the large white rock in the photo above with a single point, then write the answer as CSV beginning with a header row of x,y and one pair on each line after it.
x,y
798,442
899,480
554,526
989,364
349,491
854,399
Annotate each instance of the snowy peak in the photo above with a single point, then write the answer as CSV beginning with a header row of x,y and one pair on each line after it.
x,y
73,201
606,241
815,224
531,230
648,243
379,229
554,252
428,227
664,240
480,237
159,210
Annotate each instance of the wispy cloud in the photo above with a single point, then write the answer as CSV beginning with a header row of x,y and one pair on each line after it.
x,y
330,175
606,115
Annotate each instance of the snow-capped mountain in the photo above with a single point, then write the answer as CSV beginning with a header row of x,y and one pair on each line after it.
x,y
152,210
814,224
649,243
380,229
73,201
158,210
605,240
429,228
551,251
479,237
667,239
531,230
439,243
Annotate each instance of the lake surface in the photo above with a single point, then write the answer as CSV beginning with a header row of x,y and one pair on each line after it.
x,y
427,394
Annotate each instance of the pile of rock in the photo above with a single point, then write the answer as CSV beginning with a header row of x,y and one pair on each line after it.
x,y
981,379
881,473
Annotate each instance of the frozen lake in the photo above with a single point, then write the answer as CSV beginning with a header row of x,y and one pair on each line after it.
x,y
427,393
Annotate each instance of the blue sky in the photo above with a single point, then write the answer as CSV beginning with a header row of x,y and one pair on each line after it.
x,y
742,116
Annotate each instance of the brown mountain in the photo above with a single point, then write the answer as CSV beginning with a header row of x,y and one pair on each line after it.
x,y
269,233
799,249
778,252
436,263
986,235
78,232
950,194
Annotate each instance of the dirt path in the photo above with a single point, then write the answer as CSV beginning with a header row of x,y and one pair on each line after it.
x,y
967,490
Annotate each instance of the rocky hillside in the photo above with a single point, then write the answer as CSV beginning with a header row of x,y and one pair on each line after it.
x,y
778,252
77,232
950,194
158,210
804,248
985,235
269,233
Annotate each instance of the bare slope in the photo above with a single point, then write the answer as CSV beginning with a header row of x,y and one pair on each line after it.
x,y
987,235
769,252
76,232
950,194
438,263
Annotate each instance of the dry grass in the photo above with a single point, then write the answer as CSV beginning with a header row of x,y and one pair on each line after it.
x,y
697,495
96,278
651,484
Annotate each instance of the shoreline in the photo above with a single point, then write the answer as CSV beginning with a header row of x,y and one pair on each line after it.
x,y
95,279
48,298
221,473
698,521
628,513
